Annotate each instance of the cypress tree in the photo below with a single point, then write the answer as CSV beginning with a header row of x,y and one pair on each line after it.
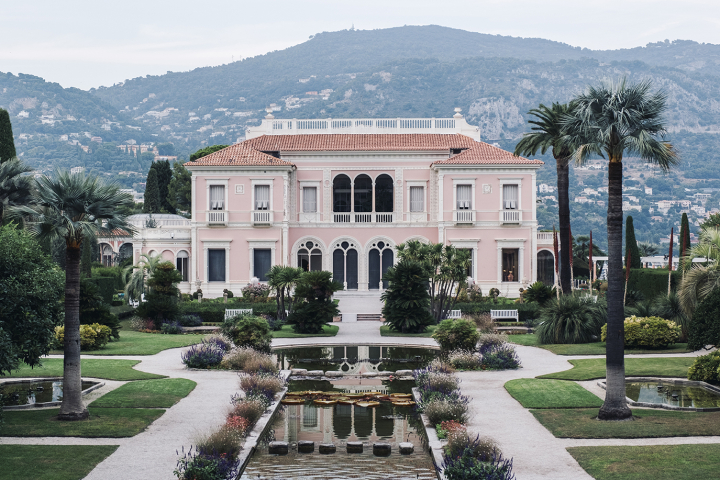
x,y
7,143
164,176
152,193
86,259
684,235
631,244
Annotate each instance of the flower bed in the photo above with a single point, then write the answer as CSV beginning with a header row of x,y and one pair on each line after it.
x,y
492,353
463,456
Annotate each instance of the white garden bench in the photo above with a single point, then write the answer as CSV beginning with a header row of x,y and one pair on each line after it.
x,y
504,315
454,314
232,312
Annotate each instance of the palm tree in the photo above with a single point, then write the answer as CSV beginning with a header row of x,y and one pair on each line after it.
x,y
134,275
699,279
609,120
648,249
72,208
548,133
15,188
283,279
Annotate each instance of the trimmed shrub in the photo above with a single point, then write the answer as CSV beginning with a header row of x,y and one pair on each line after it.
x,y
706,368
249,331
705,324
458,334
255,293
569,319
171,328
314,307
652,282
105,287
162,300
649,332
502,357
190,320
202,356
92,337
407,301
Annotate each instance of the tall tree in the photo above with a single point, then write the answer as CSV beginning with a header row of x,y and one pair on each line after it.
x,y
206,151
631,245
684,235
283,279
164,176
15,188
180,189
7,142
152,193
547,133
73,208
609,120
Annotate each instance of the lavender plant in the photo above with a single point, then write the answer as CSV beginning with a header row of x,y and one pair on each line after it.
x,y
202,356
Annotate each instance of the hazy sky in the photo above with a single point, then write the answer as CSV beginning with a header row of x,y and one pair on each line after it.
x,y
91,43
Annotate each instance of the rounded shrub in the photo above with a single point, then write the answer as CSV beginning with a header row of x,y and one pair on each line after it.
x,y
706,368
649,332
249,331
92,336
458,334
569,319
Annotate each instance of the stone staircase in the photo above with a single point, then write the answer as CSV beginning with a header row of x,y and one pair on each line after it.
x,y
359,306
362,317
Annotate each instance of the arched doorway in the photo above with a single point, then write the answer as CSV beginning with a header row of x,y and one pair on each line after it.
x,y
384,198
107,255
380,258
363,191
342,190
546,267
125,252
345,265
309,257
182,264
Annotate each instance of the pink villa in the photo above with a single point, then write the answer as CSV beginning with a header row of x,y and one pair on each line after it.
x,y
340,195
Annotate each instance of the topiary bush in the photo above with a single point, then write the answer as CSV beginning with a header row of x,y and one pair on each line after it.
x,y
314,307
570,319
456,334
248,331
162,299
92,337
649,332
705,323
706,368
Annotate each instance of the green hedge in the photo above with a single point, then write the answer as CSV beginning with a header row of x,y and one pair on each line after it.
x,y
105,286
651,282
215,312
526,311
112,272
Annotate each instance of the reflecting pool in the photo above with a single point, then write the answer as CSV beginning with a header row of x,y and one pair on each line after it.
x,y
671,393
41,391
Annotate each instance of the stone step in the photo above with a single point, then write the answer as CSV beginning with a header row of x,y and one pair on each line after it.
x,y
377,317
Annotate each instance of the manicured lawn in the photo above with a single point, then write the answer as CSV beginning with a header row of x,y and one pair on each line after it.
x,y
108,369
591,368
595,348
536,393
386,332
581,423
147,394
51,462
103,422
658,462
287,332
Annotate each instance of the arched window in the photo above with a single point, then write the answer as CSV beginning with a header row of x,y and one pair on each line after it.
x,y
345,265
380,258
341,194
125,252
107,256
310,257
384,193
546,267
363,194
182,264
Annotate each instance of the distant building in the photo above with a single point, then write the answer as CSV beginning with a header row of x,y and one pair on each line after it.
x,y
96,139
76,170
648,191
64,138
85,148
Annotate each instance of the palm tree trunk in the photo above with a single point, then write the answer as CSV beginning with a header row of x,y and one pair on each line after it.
x,y
563,182
72,407
615,406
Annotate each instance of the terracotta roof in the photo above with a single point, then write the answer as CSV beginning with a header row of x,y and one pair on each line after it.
x,y
253,152
239,154
483,153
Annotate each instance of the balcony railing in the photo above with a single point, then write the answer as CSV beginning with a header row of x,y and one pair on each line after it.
x,y
384,217
510,216
363,217
262,217
545,238
464,216
217,217
341,217
366,217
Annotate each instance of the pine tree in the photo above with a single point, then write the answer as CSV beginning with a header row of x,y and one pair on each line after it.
x,y
7,143
684,235
631,244
152,193
86,259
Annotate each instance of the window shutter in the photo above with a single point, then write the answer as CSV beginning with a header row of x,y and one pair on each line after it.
x,y
416,199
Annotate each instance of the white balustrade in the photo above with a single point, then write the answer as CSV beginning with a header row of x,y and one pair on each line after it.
x,y
341,217
263,217
545,238
217,217
464,216
510,216
384,218
363,217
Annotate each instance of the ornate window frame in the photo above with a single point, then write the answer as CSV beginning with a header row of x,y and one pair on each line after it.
x,y
261,244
